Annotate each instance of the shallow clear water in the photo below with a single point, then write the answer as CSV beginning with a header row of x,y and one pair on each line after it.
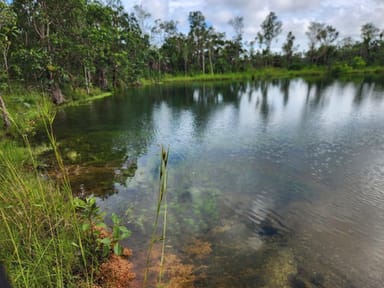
x,y
283,179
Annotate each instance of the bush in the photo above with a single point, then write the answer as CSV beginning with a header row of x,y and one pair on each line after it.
x,y
358,62
340,68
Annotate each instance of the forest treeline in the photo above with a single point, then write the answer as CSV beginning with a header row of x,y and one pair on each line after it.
x,y
85,44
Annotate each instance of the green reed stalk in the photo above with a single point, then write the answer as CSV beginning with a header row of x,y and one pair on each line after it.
x,y
165,177
160,200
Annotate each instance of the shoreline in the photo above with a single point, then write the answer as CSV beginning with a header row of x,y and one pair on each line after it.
x,y
270,73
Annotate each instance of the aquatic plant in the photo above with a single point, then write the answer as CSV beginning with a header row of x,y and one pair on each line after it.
x,y
112,241
161,205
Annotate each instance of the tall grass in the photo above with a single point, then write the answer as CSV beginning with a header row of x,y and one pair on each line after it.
x,y
42,244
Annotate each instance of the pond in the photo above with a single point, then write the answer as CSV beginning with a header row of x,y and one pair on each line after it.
x,y
276,183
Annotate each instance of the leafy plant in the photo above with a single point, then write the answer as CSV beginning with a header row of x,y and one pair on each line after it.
x,y
89,212
93,224
111,242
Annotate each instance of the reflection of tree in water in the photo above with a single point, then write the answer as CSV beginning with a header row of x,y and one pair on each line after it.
x,y
365,89
319,86
359,94
284,88
262,86
264,107
110,135
107,136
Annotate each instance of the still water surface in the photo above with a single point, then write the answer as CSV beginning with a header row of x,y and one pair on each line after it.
x,y
271,183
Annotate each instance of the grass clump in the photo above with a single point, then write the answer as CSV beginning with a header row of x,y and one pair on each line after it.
x,y
43,243
41,240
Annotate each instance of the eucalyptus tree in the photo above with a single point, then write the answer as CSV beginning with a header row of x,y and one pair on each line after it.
x,y
313,32
237,24
161,31
271,28
176,51
327,36
216,49
321,42
8,31
7,26
369,35
197,37
143,17
288,47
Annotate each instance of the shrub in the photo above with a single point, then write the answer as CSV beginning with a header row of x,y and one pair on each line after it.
x,y
358,62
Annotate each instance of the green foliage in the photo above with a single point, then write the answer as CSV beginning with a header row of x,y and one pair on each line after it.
x,y
111,242
76,46
92,222
358,62
340,68
270,29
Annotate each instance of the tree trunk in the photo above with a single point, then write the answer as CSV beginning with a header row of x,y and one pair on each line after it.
x,y
103,82
210,60
86,74
57,96
203,61
159,60
4,113
185,56
114,76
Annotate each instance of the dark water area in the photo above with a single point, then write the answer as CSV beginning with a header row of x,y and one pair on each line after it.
x,y
280,182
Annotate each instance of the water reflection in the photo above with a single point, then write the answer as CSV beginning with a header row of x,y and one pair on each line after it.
x,y
282,177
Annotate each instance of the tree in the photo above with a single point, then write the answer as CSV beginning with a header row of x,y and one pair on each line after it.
x,y
197,36
313,33
47,39
162,30
288,47
8,30
271,28
327,36
369,35
215,44
321,38
142,16
4,114
237,24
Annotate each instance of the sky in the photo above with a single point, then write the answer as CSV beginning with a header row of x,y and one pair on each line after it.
x,y
347,16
